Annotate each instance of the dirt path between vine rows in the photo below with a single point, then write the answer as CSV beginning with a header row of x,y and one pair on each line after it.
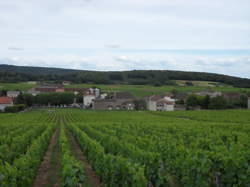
x,y
48,173
92,179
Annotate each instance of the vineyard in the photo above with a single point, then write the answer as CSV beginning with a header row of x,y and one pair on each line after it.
x,y
70,147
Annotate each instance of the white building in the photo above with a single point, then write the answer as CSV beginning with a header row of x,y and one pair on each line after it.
x,y
5,102
160,103
13,94
88,99
103,96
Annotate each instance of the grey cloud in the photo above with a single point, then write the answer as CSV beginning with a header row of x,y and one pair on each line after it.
x,y
112,46
15,49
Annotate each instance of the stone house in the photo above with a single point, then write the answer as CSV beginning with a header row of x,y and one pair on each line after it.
x,y
160,103
13,94
113,104
209,93
117,101
231,95
5,102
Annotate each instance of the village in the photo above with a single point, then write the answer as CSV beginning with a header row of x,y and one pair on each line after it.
x,y
96,99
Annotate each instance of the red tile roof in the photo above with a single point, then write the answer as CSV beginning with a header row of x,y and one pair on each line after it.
x,y
6,100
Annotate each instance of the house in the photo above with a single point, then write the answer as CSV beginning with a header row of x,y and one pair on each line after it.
x,y
248,104
59,90
5,102
164,105
77,90
33,92
50,88
95,91
117,101
209,93
66,83
160,103
13,94
181,96
113,104
231,95
45,89
88,99
32,82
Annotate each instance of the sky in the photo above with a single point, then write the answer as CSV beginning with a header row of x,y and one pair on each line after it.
x,y
114,35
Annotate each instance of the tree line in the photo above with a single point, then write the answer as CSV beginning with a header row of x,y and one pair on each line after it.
x,y
217,103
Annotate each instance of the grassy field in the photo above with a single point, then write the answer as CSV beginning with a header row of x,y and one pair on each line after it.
x,y
72,147
144,90
139,90
16,86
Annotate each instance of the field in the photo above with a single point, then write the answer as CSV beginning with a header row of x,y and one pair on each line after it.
x,y
145,90
71,147
139,90
16,86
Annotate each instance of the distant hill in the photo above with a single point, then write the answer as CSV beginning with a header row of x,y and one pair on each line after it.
x,y
35,70
10,73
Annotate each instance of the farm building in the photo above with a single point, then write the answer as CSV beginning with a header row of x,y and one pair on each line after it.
x,y
5,102
160,103
13,94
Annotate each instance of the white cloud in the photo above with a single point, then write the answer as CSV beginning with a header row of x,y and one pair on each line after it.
x,y
106,61
104,35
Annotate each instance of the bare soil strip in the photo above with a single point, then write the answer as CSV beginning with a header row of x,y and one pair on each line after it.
x,y
93,179
50,167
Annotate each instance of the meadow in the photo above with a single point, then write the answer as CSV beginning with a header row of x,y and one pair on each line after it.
x,y
72,147
145,90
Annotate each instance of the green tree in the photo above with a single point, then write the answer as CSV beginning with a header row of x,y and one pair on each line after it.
x,y
192,101
218,102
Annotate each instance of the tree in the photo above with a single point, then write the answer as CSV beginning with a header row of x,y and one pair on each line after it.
x,y
204,101
192,101
26,99
218,102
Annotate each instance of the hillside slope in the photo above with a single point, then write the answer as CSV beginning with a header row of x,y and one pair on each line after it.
x,y
10,73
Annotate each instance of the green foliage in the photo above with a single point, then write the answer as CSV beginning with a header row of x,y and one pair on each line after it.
x,y
72,169
15,108
23,170
54,98
192,101
200,148
114,170
218,102
26,99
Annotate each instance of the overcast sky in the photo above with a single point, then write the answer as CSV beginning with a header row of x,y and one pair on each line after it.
x,y
127,34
